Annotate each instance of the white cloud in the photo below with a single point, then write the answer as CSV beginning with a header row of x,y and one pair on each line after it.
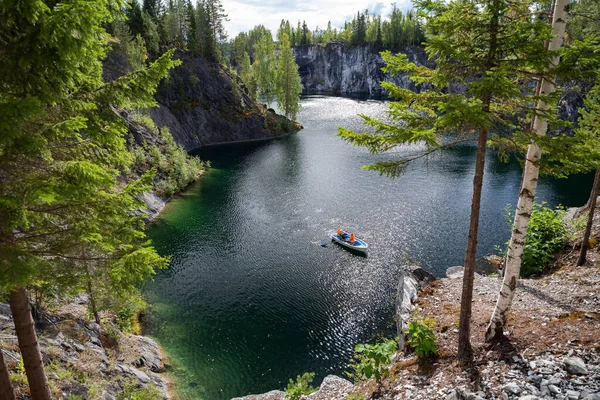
x,y
244,15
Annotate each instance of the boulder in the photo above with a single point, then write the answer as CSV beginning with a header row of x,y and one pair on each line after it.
x,y
142,352
272,395
412,279
333,388
455,272
575,365
73,390
141,376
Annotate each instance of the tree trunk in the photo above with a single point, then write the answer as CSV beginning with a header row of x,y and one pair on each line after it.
x,y
588,227
6,389
527,193
92,299
465,353
28,344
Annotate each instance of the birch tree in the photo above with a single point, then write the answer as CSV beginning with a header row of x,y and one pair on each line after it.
x,y
529,182
490,48
263,67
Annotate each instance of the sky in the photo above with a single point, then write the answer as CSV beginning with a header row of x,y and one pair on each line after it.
x,y
243,15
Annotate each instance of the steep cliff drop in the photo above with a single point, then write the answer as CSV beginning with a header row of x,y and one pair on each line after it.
x,y
340,69
204,104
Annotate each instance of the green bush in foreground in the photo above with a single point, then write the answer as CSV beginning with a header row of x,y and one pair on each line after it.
x,y
546,235
371,360
421,337
301,386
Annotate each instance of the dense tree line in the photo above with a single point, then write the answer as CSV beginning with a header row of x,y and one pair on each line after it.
x,y
268,69
175,24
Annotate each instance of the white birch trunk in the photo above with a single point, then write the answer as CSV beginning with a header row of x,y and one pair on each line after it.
x,y
531,172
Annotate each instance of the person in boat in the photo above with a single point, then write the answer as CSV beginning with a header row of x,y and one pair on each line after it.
x,y
340,232
352,238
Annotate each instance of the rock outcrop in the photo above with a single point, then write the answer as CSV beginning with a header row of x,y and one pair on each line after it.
x,y
332,388
339,69
412,279
82,358
203,104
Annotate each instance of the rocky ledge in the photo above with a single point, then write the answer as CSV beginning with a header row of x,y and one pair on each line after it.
x,y
86,361
551,349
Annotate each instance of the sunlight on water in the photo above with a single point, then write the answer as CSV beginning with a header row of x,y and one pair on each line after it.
x,y
253,299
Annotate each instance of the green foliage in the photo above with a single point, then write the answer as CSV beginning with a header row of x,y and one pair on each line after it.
x,y
247,76
355,397
132,392
302,385
62,150
263,68
470,51
288,85
546,235
174,168
421,337
371,360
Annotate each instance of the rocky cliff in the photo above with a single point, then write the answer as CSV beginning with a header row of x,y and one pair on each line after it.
x,y
203,104
339,69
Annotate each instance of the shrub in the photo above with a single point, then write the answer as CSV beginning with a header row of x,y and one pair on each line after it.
x,y
547,234
421,337
371,360
132,392
301,386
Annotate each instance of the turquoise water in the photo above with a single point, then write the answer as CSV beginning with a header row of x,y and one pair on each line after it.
x,y
253,299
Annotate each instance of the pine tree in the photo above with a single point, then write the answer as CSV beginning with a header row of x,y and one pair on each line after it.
x,y
288,84
61,152
488,46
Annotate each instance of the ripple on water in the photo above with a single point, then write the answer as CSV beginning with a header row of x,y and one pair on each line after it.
x,y
252,299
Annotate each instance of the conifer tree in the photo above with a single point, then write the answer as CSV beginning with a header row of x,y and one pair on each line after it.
x,y
61,152
483,46
288,81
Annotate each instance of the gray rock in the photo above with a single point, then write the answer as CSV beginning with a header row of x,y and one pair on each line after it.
x,y
575,365
455,272
272,395
333,387
338,69
139,375
512,388
94,327
154,205
572,394
412,278
74,389
111,391
483,266
148,353
554,389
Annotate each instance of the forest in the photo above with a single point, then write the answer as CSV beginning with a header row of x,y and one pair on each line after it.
x,y
70,182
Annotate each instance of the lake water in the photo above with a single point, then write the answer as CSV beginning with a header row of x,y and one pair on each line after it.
x,y
253,299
